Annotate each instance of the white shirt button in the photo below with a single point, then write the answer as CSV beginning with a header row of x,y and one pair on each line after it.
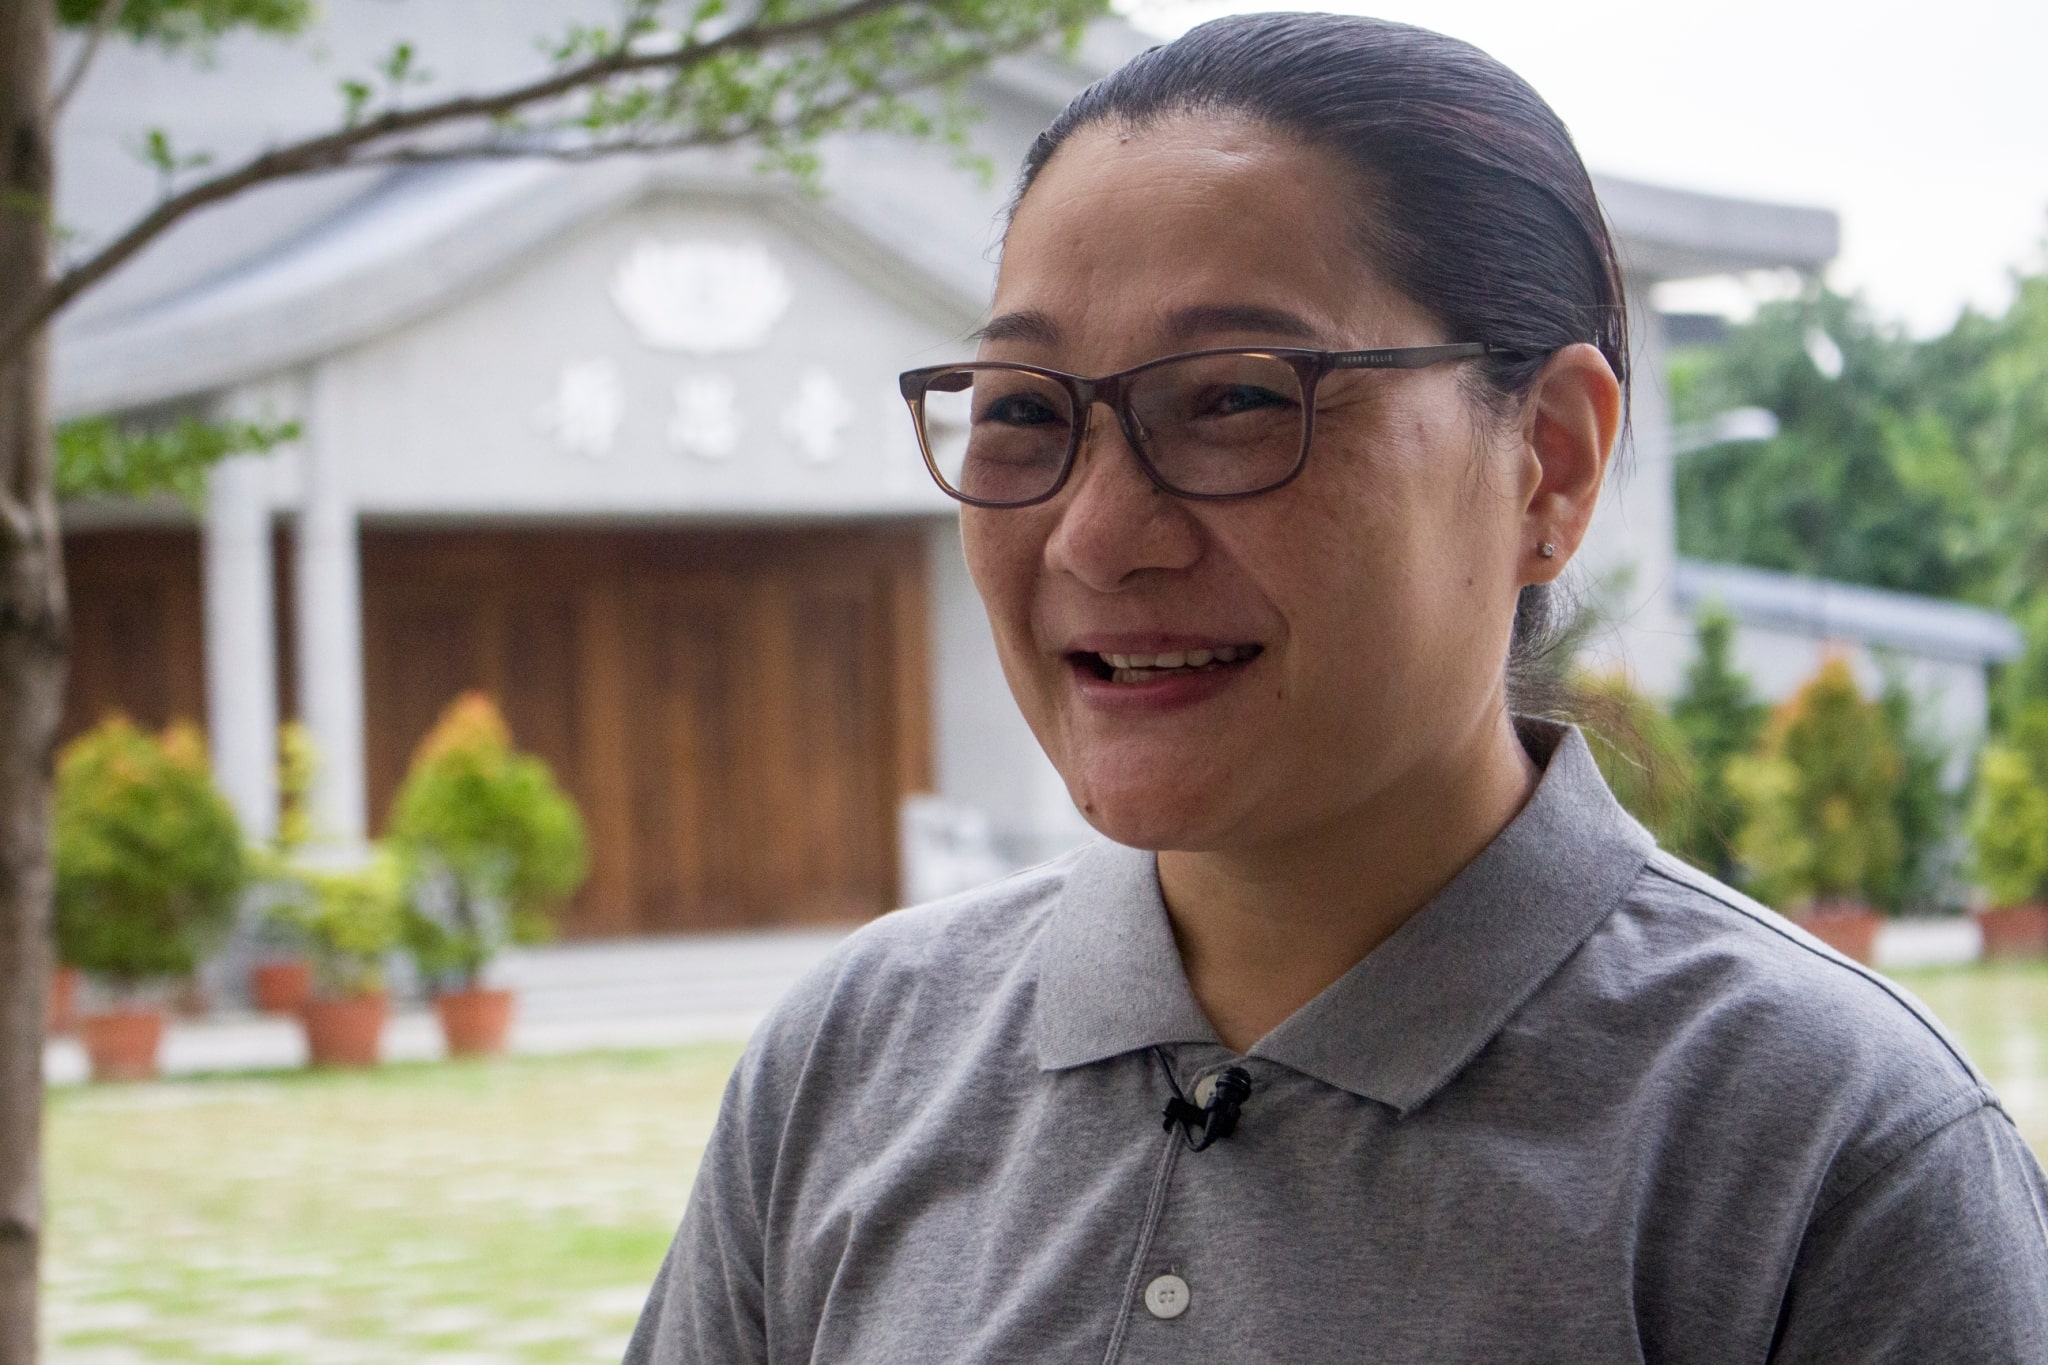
x,y
1205,1090
1167,1297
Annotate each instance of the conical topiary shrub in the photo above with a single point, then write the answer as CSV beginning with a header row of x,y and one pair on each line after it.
x,y
492,849
1820,832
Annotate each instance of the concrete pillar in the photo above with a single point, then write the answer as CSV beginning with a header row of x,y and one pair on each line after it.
x,y
241,644
328,601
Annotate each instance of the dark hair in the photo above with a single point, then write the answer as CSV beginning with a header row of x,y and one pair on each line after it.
x,y
1481,210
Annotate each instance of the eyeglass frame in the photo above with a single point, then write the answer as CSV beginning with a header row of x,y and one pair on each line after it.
x,y
1309,367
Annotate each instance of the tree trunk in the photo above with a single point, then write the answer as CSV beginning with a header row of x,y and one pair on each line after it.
x,y
32,640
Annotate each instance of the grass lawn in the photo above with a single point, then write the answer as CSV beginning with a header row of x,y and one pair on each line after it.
x,y
486,1214
424,1215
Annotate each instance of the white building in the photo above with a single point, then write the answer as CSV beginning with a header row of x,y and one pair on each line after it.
x,y
621,444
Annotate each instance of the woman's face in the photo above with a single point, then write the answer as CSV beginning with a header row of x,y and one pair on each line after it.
x,y
1368,602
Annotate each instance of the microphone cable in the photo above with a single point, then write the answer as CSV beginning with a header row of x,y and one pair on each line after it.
x,y
1216,1120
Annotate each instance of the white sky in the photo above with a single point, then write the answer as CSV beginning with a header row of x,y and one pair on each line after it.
x,y
1925,126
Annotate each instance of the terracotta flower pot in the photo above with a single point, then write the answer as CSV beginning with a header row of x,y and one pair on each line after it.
x,y
347,1030
1850,929
61,1011
122,1045
283,986
2015,931
475,1023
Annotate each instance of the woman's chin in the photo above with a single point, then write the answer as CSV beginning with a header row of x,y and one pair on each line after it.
x,y
1152,817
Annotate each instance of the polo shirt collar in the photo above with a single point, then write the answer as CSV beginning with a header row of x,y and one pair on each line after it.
x,y
1398,1026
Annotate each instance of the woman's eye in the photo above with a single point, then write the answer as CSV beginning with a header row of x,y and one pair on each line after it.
x,y
1230,400
1019,410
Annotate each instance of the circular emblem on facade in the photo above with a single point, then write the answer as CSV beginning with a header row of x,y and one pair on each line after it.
x,y
701,297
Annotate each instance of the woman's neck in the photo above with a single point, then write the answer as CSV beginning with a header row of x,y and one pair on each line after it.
x,y
1262,931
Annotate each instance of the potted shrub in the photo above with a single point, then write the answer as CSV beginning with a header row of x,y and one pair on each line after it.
x,y
491,850
281,979
150,865
350,920
2009,838
1820,829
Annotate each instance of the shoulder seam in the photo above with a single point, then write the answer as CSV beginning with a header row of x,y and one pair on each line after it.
x,y
1933,1124
1685,876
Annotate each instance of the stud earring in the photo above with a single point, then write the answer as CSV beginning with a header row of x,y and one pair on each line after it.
x,y
1547,550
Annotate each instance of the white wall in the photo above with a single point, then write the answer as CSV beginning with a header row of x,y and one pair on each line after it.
x,y
1627,563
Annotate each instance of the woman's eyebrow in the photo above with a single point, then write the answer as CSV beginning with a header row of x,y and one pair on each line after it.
x,y
1028,325
1204,318
1185,325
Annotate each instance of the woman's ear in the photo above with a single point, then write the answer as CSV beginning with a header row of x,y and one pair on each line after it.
x,y
1569,423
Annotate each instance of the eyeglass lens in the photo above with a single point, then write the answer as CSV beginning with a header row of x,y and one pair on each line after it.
x,y
1207,425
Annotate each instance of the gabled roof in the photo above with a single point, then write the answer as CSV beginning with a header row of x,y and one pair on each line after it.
x,y
1669,234
1826,610
415,241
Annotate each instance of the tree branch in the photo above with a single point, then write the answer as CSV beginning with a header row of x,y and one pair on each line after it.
x,y
815,118
102,24
332,151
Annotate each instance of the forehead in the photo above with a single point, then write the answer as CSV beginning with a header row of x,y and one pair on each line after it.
x,y
1129,232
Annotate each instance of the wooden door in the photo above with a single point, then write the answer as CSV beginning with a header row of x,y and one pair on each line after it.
x,y
136,622
687,660
738,714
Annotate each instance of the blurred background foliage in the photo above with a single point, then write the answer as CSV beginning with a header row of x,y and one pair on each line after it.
x,y
184,23
1914,465
1833,796
98,457
149,857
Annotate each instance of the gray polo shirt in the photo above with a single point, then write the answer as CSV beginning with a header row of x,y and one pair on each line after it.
x,y
1587,1105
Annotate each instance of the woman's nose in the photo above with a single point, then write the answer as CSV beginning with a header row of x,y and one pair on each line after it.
x,y
1114,522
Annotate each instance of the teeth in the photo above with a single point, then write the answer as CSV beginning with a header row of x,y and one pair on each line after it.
x,y
1130,667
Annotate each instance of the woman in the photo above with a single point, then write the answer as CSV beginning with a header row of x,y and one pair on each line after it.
x,y
1455,1065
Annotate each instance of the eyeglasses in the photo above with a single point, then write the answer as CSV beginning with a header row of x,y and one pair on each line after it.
x,y
1204,424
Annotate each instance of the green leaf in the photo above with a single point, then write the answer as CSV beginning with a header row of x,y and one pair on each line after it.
x,y
100,457
355,97
175,24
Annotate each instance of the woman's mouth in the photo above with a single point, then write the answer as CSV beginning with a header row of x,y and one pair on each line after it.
x,y
1144,668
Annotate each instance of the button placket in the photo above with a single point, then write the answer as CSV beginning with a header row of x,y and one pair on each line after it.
x,y
1155,1208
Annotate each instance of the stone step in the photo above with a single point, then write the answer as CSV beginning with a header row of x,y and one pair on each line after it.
x,y
660,976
